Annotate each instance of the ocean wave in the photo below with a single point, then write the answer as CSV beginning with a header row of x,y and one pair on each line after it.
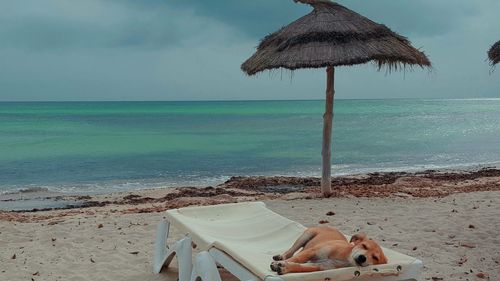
x,y
195,180
34,189
104,187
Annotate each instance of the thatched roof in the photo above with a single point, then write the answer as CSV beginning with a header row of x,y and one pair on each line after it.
x,y
332,35
494,53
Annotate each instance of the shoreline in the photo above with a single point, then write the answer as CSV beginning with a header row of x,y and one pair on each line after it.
x,y
126,185
429,183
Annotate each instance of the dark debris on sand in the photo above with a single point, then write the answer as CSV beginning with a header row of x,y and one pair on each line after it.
x,y
392,184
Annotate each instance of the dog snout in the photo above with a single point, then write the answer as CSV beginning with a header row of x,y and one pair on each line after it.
x,y
360,259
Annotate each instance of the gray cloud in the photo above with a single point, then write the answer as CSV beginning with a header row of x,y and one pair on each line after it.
x,y
256,17
417,18
192,49
157,23
59,25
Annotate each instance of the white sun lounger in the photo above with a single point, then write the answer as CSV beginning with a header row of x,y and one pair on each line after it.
x,y
243,237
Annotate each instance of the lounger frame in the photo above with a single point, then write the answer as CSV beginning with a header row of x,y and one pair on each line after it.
x,y
205,266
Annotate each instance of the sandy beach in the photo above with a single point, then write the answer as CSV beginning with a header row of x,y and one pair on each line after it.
x,y
453,226
365,116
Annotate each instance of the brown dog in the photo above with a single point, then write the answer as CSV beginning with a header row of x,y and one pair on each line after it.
x,y
326,248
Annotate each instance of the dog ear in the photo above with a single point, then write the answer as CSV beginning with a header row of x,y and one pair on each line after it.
x,y
383,259
358,238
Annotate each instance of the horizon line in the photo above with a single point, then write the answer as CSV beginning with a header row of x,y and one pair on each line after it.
x,y
242,100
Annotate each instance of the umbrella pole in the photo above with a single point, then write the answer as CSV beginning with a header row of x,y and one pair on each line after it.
x,y
326,182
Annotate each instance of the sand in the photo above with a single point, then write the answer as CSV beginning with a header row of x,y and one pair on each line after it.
x,y
456,236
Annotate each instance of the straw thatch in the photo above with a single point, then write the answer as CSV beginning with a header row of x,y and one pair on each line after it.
x,y
332,35
494,53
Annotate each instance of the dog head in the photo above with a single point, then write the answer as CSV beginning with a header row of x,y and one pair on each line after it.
x,y
366,251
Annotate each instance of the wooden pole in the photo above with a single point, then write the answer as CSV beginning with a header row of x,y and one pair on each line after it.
x,y
326,182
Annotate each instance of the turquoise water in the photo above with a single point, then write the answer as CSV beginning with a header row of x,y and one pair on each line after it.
x,y
109,146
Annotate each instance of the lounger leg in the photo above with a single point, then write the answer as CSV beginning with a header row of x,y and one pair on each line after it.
x,y
205,268
164,253
161,247
184,258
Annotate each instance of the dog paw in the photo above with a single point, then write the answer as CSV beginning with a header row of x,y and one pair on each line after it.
x,y
278,258
279,267
275,266
280,271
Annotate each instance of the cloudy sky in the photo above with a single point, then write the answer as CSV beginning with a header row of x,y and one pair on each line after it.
x,y
193,49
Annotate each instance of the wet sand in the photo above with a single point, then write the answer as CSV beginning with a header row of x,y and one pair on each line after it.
x,y
394,184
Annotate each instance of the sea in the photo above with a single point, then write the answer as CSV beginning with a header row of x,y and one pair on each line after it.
x,y
101,147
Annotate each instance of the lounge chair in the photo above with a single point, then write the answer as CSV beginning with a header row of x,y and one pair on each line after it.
x,y
243,237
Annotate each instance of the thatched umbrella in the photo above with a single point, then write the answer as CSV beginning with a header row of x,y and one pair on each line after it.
x,y
494,53
332,35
